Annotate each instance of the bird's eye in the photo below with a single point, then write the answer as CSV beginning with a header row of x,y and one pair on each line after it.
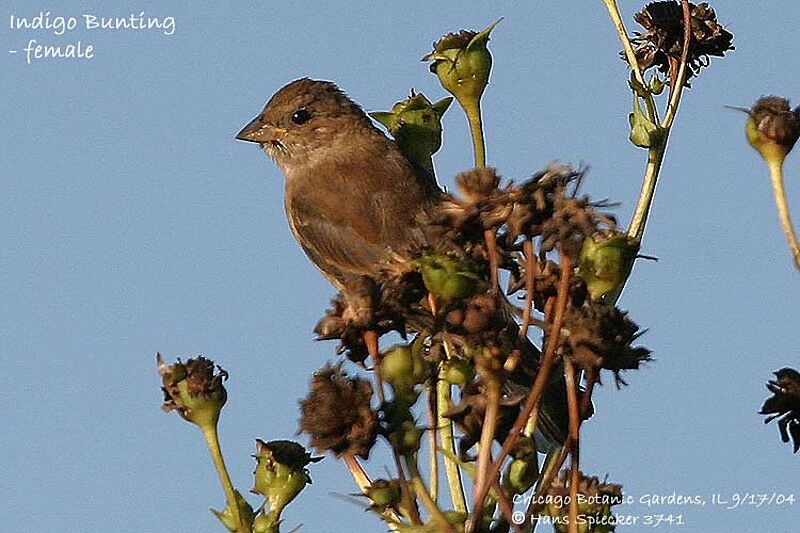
x,y
301,116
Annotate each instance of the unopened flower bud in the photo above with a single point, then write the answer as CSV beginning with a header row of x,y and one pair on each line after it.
x,y
644,132
384,493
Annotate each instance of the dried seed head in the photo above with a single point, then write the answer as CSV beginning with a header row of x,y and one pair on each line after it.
x,y
337,413
773,128
784,404
661,44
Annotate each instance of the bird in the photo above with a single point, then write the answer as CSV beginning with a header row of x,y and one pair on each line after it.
x,y
355,203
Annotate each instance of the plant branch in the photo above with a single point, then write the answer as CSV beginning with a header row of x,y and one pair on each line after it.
x,y
574,440
539,384
448,442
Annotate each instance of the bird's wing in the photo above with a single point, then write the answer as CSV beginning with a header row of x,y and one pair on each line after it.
x,y
335,244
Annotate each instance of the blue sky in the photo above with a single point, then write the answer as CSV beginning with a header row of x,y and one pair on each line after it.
x,y
131,222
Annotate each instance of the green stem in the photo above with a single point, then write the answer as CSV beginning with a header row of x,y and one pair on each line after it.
x,y
448,442
776,174
655,157
616,18
473,111
212,440
424,496
630,55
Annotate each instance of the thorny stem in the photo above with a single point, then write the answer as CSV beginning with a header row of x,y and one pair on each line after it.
x,y
422,493
574,440
487,436
212,440
776,174
448,442
539,384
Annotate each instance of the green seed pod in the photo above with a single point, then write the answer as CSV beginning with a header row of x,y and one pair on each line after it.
x,y
446,278
397,367
605,261
458,372
462,63
416,125
281,472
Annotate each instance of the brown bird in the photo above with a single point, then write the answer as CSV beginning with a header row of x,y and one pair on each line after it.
x,y
355,203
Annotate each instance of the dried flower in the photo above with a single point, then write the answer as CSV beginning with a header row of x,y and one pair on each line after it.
x,y
785,404
337,413
661,44
773,128
601,336
572,222
193,389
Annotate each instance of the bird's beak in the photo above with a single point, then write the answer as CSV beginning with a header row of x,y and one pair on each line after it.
x,y
258,132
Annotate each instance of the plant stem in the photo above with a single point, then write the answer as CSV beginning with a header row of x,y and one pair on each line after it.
x,y
363,482
574,439
473,111
776,174
616,19
487,436
448,442
539,383
422,493
433,448
212,441
655,157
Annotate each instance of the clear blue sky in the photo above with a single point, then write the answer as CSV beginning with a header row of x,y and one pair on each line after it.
x,y
131,222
